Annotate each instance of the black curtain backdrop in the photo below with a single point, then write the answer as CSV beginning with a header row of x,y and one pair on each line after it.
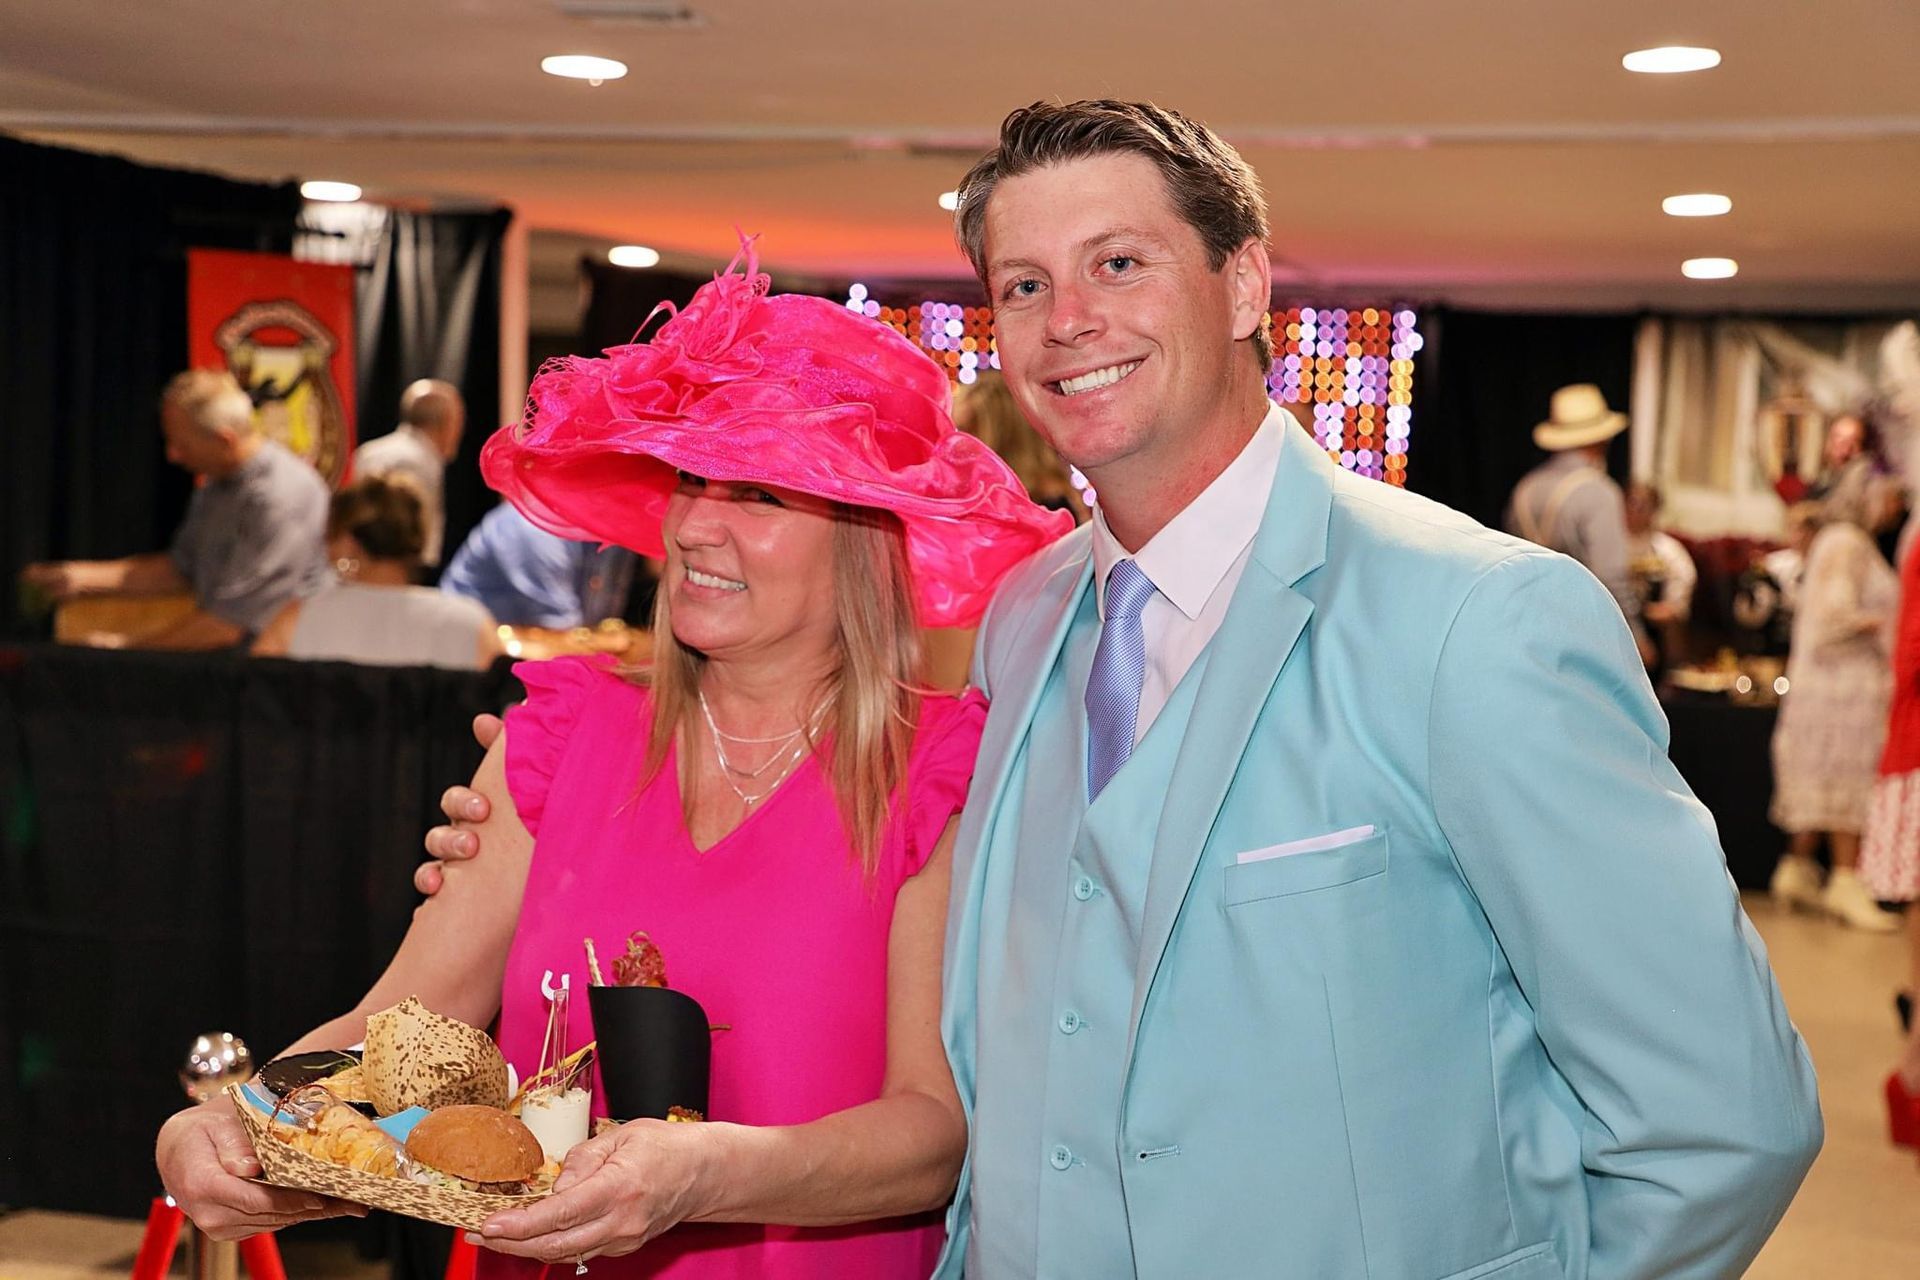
x,y
193,843
1483,380
428,306
93,309
619,300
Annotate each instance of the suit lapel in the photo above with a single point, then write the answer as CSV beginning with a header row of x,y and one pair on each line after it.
x,y
1012,702
1041,629
1262,625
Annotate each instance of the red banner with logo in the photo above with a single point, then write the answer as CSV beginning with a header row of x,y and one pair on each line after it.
x,y
285,330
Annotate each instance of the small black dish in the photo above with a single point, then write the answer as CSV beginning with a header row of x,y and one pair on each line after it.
x,y
296,1070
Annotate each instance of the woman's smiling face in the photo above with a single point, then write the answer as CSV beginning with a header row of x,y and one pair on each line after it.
x,y
750,569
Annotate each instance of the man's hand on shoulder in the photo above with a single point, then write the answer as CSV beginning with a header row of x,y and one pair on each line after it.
x,y
464,807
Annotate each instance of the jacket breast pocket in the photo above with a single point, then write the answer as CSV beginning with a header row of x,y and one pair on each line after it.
x,y
1535,1262
1245,882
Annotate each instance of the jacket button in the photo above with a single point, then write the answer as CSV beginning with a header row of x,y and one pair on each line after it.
x,y
1083,888
1070,1022
1060,1157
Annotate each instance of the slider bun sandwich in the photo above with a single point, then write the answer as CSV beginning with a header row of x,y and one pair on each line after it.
x,y
475,1149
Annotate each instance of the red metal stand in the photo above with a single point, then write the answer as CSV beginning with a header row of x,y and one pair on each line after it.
x,y
259,1254
162,1237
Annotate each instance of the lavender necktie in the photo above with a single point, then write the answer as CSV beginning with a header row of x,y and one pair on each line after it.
x,y
1113,686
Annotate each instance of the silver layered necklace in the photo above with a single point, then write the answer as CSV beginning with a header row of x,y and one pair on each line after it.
x,y
790,749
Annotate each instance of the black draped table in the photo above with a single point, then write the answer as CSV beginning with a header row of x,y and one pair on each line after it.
x,y
194,843
209,842
1723,750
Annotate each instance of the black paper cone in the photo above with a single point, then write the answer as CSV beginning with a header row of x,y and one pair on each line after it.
x,y
654,1050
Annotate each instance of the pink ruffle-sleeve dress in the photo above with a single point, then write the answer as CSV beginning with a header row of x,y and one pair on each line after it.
x,y
775,930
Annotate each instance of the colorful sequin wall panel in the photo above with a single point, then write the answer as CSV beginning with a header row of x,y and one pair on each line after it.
x,y
956,336
1350,374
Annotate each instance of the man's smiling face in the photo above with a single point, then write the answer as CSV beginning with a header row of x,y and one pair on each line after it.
x,y
1115,335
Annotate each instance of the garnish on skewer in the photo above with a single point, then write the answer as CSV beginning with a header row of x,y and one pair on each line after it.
x,y
643,965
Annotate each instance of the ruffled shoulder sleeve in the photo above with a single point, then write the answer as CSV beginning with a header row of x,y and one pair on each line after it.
x,y
539,729
940,769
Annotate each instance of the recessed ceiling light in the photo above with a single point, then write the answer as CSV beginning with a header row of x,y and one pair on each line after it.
x,y
949,200
1671,58
1709,268
633,255
1698,205
581,66
340,192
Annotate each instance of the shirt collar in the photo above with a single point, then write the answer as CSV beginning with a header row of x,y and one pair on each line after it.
x,y
1187,560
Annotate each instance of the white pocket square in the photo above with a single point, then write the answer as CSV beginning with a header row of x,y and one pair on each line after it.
x,y
1312,844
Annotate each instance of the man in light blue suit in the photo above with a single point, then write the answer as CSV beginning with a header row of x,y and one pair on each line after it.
x,y
1325,905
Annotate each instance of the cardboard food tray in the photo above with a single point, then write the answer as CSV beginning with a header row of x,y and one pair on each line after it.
x,y
284,1165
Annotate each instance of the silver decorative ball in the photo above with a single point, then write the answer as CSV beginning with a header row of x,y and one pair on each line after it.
x,y
216,1060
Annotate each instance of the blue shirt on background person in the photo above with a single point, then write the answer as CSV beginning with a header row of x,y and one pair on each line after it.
x,y
526,576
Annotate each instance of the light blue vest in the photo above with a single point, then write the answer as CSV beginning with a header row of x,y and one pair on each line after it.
x,y
1053,1205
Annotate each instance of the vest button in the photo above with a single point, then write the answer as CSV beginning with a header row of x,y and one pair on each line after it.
x,y
1070,1022
1083,888
1060,1157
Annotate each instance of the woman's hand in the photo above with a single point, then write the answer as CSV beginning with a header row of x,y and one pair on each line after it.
x,y
205,1159
615,1193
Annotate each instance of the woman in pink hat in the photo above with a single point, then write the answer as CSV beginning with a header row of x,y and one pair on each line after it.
x,y
772,800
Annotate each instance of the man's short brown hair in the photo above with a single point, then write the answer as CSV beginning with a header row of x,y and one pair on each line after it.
x,y
1215,191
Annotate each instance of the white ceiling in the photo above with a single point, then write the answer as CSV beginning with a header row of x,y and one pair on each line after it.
x,y
1481,151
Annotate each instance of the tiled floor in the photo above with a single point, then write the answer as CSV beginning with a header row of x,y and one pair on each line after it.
x,y
71,1246
1857,1218
1858,1215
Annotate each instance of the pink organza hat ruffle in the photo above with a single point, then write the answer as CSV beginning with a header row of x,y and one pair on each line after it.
x,y
793,391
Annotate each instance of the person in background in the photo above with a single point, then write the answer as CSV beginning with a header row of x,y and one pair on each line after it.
x,y
1665,572
1769,590
527,577
1848,450
1833,719
253,538
1890,845
1571,505
432,420
372,613
985,408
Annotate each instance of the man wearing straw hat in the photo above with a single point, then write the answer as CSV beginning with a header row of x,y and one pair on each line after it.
x,y
1571,505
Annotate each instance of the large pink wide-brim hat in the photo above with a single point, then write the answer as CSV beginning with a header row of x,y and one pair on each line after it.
x,y
792,391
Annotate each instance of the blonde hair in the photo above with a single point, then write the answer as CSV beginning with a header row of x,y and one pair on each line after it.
x,y
872,698
212,400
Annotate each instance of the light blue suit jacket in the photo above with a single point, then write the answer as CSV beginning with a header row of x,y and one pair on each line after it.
x,y
1523,1029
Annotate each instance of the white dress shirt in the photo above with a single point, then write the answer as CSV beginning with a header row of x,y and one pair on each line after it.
x,y
1194,563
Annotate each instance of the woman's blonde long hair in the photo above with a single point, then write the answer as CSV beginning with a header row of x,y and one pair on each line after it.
x,y
871,701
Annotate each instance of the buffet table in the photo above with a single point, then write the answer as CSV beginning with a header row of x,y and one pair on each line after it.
x,y
192,843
